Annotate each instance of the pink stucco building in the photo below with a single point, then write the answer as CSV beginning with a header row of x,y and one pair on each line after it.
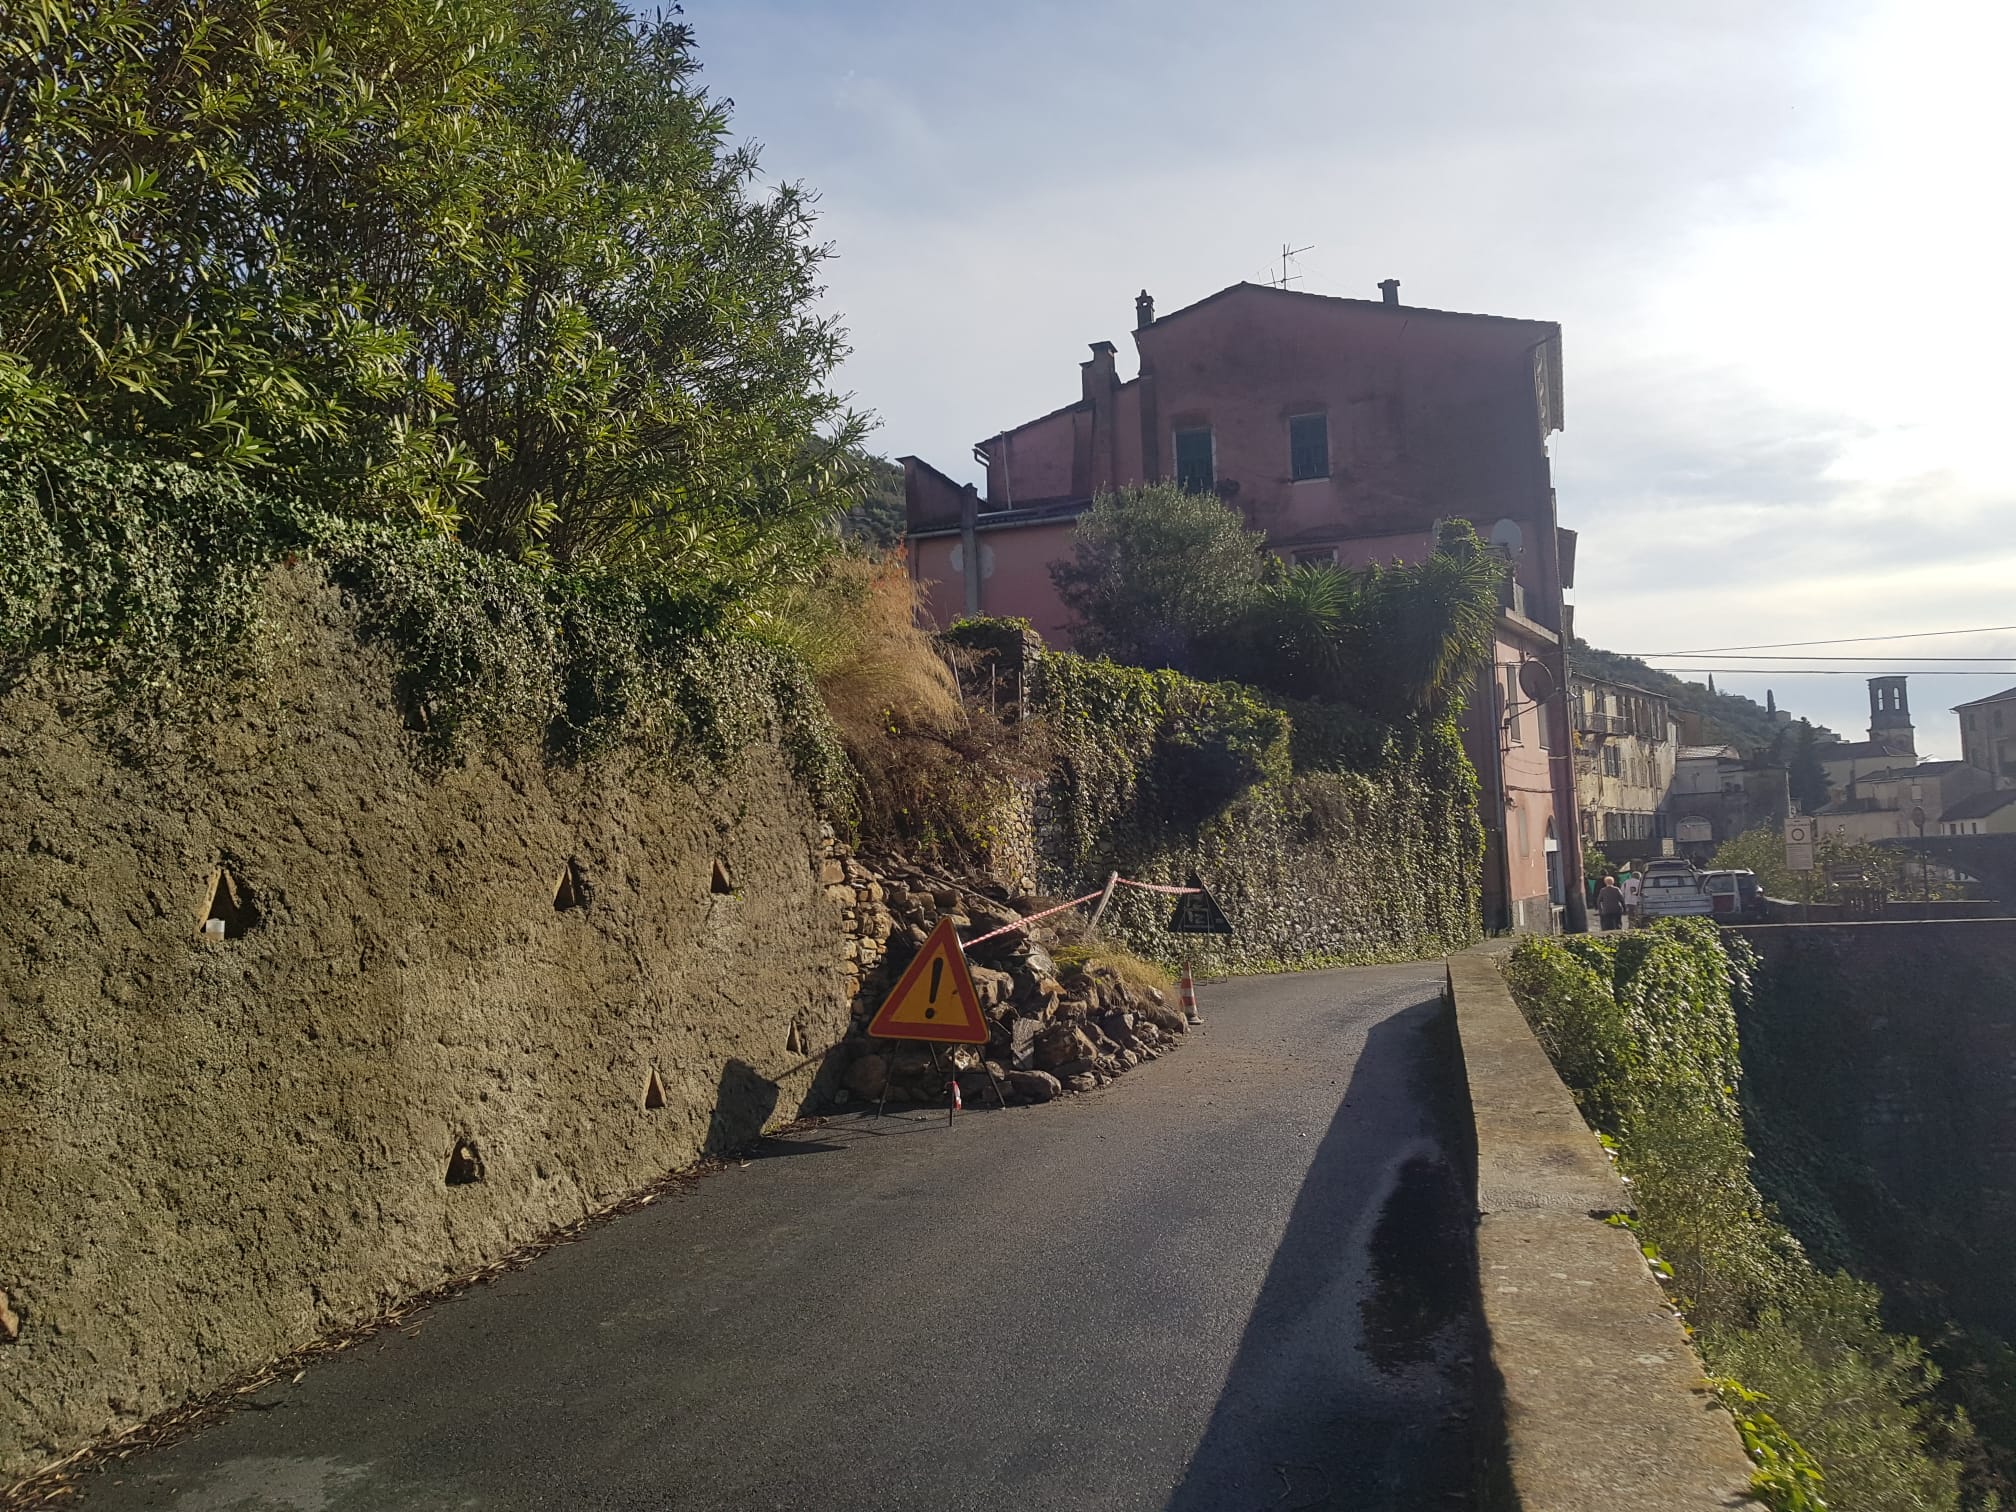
x,y
1347,430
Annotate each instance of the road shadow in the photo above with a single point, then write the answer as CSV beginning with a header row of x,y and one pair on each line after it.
x,y
1350,1385
743,1103
771,1147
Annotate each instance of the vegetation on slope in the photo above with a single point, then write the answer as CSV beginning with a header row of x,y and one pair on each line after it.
x,y
140,581
1161,577
1725,717
1642,1027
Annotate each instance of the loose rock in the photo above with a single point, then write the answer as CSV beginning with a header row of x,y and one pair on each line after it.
x,y
868,1076
1062,1043
1040,1086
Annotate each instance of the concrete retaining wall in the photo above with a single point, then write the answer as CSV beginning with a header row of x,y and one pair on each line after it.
x,y
216,1150
1790,911
1884,1058
1600,1403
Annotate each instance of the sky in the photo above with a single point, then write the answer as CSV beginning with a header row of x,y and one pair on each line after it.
x,y
1777,239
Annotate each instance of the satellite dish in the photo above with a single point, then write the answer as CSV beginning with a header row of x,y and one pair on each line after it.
x,y
1536,678
1508,537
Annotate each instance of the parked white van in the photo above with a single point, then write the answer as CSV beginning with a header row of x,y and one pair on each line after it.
x,y
1673,891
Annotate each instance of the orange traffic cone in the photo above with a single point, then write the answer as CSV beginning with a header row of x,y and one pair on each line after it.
x,y
1188,995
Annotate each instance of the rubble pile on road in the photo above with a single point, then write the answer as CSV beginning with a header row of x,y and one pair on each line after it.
x,y
1051,1031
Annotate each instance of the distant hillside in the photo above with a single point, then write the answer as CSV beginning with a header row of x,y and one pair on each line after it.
x,y
876,521
1731,717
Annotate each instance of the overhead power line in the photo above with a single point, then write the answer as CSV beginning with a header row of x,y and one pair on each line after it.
x,y
1737,657
1683,669
1839,640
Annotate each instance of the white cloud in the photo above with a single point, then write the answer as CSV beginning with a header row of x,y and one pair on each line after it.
x,y
1774,236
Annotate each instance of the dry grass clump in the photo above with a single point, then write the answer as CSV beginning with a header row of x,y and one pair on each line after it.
x,y
1087,956
930,771
854,624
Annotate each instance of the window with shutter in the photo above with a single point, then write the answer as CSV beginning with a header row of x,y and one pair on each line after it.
x,y
1195,469
1309,446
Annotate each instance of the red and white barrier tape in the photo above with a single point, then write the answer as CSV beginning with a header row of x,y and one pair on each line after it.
x,y
1032,918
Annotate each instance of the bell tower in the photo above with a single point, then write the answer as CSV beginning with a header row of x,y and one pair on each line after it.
x,y
1890,714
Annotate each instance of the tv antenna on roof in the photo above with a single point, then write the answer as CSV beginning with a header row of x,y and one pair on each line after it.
x,y
1288,254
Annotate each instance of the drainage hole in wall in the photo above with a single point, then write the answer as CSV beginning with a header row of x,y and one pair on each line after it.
x,y
228,910
654,1090
718,882
570,888
465,1166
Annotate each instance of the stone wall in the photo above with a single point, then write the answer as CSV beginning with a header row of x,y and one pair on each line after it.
x,y
1319,870
1881,1065
1329,837
218,1148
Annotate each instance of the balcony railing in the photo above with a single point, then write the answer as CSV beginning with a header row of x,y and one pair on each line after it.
x,y
1600,724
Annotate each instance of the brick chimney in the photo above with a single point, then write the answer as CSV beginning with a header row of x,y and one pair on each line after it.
x,y
1098,372
1144,310
1093,460
1389,290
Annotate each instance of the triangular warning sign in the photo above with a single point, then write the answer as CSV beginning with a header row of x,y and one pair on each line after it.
x,y
935,999
1198,913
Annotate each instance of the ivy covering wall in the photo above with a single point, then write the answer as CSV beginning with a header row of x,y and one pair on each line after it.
x,y
140,582
1328,837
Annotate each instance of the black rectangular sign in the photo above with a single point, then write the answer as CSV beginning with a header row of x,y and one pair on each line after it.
x,y
1198,913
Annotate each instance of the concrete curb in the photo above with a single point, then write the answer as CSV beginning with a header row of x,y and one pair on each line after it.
x,y
1595,1399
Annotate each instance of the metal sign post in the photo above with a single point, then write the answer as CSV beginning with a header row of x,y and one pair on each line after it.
x,y
1197,912
1800,835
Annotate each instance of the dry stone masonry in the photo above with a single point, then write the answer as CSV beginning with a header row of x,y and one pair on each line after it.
x,y
1050,1032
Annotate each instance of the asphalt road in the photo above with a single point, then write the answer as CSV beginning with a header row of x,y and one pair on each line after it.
x,y
1238,1279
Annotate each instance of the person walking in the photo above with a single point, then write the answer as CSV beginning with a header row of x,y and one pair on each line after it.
x,y
1610,904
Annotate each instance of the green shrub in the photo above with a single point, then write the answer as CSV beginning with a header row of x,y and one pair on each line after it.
x,y
1163,577
1157,574
1152,749
1850,1393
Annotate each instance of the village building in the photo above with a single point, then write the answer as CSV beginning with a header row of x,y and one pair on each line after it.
x,y
1626,746
1892,741
1988,735
1874,798
1347,430
1989,813
1902,803
1717,795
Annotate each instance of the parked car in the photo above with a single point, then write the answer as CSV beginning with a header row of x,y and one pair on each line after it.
x,y
1673,890
1735,896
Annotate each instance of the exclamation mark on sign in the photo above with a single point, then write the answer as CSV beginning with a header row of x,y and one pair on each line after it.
x,y
937,975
